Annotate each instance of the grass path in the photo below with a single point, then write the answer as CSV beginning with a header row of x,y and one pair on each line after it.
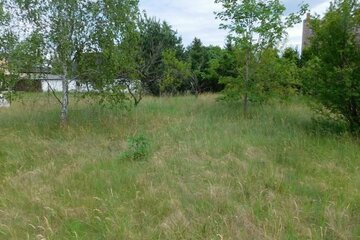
x,y
209,174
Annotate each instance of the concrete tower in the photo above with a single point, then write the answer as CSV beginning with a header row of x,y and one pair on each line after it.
x,y
307,32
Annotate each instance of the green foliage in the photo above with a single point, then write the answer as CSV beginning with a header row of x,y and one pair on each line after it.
x,y
118,60
112,74
4,15
198,55
271,76
332,75
18,59
292,55
212,75
198,59
27,55
256,26
138,148
6,41
205,63
176,73
228,61
155,38
326,122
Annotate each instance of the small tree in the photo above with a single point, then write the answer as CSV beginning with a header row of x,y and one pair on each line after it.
x,y
20,58
255,25
199,60
18,54
228,63
212,76
156,37
275,76
113,70
176,73
332,76
292,55
291,61
6,40
70,28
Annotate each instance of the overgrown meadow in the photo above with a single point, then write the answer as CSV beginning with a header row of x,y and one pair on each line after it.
x,y
176,168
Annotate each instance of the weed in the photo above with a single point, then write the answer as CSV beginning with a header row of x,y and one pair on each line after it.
x,y
138,148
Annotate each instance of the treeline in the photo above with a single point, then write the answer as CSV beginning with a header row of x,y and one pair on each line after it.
x,y
162,64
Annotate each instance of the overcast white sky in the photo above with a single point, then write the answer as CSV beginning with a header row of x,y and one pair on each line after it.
x,y
195,18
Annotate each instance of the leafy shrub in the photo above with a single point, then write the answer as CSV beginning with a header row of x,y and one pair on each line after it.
x,y
138,148
325,125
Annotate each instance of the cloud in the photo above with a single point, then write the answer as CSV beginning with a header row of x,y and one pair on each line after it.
x,y
321,8
191,18
196,18
293,5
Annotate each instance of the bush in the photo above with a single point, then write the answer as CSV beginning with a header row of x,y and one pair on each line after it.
x,y
138,148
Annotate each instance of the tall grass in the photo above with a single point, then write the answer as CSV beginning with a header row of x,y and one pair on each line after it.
x,y
209,173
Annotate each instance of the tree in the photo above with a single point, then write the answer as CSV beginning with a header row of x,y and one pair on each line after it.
x,y
20,58
18,54
292,55
291,61
4,17
212,84
275,76
228,65
198,59
131,65
155,38
5,39
255,25
70,28
176,74
112,71
332,75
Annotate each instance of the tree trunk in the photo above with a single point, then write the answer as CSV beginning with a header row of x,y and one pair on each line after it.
x,y
354,117
10,96
194,86
247,79
246,103
65,99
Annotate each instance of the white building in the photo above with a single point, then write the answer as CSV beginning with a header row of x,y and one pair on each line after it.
x,y
3,102
50,82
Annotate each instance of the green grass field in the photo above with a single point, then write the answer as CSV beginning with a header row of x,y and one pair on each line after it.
x,y
176,168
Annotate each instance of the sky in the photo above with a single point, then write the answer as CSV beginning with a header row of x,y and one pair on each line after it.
x,y
195,18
